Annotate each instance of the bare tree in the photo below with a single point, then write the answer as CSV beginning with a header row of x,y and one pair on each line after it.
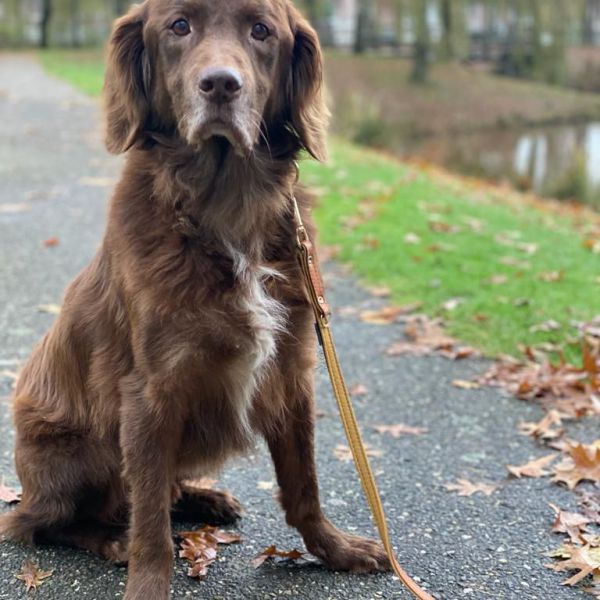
x,y
363,26
422,42
45,23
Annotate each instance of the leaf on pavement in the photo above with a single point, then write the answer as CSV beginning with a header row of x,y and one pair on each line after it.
x,y
573,524
585,560
463,487
535,468
427,336
544,429
380,292
200,548
387,315
344,453
32,576
399,430
358,390
582,463
272,552
51,242
8,495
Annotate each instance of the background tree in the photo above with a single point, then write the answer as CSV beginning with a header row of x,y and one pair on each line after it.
x,y
45,23
422,45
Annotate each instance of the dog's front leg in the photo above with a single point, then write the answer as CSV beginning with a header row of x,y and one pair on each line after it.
x,y
292,448
150,435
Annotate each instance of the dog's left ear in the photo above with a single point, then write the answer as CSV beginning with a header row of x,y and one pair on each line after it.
x,y
309,114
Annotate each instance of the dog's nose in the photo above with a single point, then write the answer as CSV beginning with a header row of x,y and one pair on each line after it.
x,y
221,84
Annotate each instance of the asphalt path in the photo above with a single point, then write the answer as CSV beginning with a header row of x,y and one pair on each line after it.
x,y
55,179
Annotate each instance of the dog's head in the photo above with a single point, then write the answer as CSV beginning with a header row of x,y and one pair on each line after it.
x,y
240,70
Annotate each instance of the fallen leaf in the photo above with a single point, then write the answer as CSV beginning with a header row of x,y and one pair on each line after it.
x,y
573,524
466,385
380,292
452,304
585,560
358,390
546,327
200,548
52,309
8,495
272,552
412,238
51,242
399,430
497,280
32,576
463,487
551,276
387,315
582,463
344,453
544,429
535,468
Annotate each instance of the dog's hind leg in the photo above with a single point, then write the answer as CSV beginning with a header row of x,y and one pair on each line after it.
x,y
206,506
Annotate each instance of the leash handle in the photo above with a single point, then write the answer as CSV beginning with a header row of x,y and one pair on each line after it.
x,y
314,282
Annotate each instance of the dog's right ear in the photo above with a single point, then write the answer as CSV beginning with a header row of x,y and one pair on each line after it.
x,y
127,82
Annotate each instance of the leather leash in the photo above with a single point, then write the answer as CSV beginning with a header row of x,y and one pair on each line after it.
x,y
314,282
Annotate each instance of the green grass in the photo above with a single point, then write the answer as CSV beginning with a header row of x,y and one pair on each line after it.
x,y
84,69
402,200
442,266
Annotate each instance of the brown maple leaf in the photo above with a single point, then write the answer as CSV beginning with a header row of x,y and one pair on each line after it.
x,y
534,468
582,463
544,429
8,495
200,548
399,430
272,552
583,559
463,487
344,453
573,524
32,576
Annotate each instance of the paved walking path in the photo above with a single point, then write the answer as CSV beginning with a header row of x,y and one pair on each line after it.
x,y
55,178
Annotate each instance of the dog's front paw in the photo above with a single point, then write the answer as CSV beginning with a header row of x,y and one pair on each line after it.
x,y
342,552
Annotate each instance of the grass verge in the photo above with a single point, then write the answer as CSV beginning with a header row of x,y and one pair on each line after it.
x,y
499,266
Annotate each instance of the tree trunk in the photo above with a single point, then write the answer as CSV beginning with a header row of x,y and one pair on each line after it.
x,y
447,18
75,23
422,43
361,38
45,23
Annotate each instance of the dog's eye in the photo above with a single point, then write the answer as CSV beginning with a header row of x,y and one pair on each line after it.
x,y
181,27
260,32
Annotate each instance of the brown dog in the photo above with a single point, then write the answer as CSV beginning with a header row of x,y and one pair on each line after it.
x,y
191,331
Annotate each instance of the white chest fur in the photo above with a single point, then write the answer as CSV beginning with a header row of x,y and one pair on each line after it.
x,y
266,317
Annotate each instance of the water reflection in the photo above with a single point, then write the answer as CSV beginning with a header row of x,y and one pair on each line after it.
x,y
561,161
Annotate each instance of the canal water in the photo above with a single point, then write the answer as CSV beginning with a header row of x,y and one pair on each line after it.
x,y
560,161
